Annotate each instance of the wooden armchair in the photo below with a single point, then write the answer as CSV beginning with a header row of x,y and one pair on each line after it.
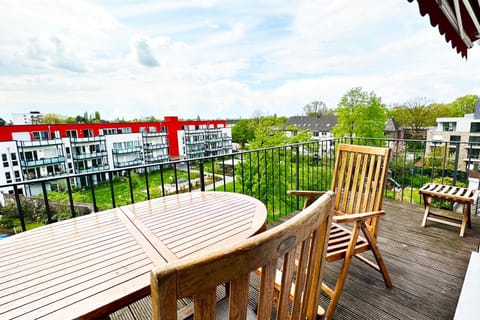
x,y
303,237
358,181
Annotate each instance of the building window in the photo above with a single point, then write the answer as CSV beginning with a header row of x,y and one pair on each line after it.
x,y
449,126
14,159
8,176
4,160
124,130
72,133
474,140
454,138
108,131
17,176
88,133
475,127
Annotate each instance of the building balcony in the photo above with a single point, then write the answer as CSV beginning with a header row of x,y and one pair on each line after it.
x,y
155,159
76,141
154,134
93,169
94,155
39,143
158,146
42,162
125,164
128,150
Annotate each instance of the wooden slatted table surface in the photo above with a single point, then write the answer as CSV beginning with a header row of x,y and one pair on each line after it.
x,y
463,196
92,265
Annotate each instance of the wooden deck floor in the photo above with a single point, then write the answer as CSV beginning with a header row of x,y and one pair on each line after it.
x,y
427,267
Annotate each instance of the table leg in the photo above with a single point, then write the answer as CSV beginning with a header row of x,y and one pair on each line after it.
x,y
427,202
469,211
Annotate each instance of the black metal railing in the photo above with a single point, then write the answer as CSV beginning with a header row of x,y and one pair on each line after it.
x,y
265,174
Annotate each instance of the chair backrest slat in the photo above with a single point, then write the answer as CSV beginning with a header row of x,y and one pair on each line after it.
x,y
303,237
359,178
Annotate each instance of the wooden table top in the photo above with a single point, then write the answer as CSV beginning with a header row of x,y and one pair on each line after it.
x,y
92,265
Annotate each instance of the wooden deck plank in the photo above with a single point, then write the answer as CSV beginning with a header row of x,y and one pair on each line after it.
x,y
427,267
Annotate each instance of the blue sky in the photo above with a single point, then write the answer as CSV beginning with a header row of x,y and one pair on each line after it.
x,y
220,59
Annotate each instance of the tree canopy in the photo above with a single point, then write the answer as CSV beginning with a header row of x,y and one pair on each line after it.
x,y
317,108
360,114
420,113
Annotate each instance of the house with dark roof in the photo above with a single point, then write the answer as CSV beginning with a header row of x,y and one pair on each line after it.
x,y
320,126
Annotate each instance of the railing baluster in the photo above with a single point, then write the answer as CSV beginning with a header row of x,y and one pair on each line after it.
x,y
45,201
161,180
92,189
202,176
175,177
130,185
112,189
189,177
70,198
147,184
19,208
213,173
233,174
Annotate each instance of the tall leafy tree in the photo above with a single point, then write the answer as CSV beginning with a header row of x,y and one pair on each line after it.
x,y
360,114
463,105
243,131
53,118
317,108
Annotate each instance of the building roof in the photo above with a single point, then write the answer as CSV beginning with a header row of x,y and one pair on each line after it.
x,y
318,123
457,21
392,126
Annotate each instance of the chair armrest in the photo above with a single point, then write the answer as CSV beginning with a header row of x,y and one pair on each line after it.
x,y
357,216
305,193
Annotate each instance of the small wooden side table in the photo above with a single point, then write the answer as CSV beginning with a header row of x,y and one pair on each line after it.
x,y
451,193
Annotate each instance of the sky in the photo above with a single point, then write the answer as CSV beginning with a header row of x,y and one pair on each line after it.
x,y
220,59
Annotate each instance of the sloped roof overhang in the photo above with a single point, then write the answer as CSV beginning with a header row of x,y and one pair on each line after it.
x,y
457,20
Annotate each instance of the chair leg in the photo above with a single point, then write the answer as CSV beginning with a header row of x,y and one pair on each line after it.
x,y
342,276
377,255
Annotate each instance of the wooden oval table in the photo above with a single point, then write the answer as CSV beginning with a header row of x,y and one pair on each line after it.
x,y
92,265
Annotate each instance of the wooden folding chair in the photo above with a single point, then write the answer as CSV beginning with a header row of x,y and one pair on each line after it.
x,y
358,181
303,237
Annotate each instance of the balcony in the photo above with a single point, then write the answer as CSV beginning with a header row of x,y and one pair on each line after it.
x,y
94,155
42,162
76,141
154,134
127,150
40,143
156,146
427,265
126,164
159,158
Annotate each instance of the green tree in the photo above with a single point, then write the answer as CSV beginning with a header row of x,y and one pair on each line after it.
x,y
243,131
53,119
317,108
360,114
97,117
463,105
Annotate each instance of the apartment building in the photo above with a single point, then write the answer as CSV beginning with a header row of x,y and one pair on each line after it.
x,y
466,130
31,152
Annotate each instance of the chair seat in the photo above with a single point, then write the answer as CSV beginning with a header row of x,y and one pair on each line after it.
x,y
338,243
